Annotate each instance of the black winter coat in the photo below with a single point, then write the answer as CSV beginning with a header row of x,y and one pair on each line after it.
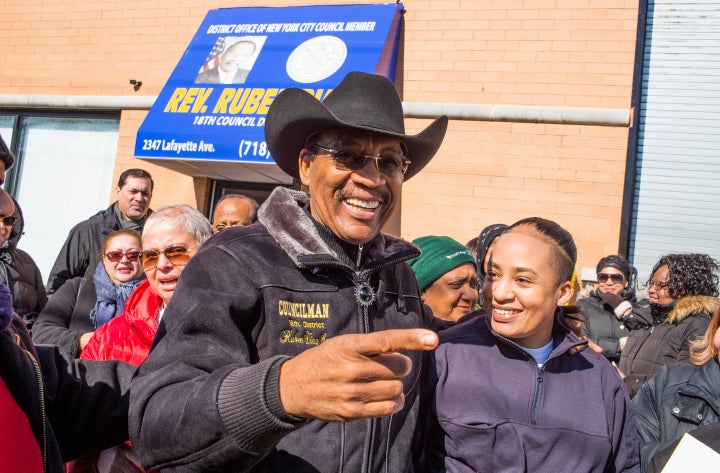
x,y
251,298
25,283
73,407
666,342
680,398
67,316
604,328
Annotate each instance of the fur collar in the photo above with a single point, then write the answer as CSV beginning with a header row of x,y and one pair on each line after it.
x,y
693,305
284,217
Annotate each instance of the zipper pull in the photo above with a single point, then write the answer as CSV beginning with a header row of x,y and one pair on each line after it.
x,y
359,255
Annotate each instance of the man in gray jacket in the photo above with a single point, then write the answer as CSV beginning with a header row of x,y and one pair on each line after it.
x,y
280,350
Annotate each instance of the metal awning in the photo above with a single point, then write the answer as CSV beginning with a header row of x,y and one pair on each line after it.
x,y
208,120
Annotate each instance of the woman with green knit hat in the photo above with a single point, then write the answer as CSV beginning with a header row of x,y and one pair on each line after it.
x,y
446,272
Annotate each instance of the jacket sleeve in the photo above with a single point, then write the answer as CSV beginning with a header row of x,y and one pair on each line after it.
x,y
202,389
429,440
53,324
72,259
694,328
42,297
624,434
647,416
87,401
639,316
610,346
633,382
96,346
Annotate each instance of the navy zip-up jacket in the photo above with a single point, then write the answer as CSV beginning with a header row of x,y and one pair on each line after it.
x,y
493,409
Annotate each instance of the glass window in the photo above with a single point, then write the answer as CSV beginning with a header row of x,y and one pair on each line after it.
x,y
64,175
7,124
6,128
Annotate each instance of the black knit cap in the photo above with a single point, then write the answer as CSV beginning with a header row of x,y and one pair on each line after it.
x,y
486,237
617,262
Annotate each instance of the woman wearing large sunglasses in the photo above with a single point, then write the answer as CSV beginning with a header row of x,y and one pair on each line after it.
x,y
612,309
172,235
81,306
683,290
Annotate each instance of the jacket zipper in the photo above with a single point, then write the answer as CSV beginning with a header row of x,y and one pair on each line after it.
x,y
536,393
366,321
539,371
342,447
41,388
366,329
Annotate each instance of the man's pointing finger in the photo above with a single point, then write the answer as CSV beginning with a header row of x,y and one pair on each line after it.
x,y
391,341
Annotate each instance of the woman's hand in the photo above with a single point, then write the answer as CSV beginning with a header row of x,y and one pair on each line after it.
x,y
118,459
622,375
84,339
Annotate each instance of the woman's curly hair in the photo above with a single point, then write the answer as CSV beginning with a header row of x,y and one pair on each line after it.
x,y
690,274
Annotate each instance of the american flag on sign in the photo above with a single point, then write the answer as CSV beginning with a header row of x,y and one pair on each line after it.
x,y
213,59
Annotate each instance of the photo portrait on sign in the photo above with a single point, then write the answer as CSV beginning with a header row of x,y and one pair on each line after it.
x,y
230,60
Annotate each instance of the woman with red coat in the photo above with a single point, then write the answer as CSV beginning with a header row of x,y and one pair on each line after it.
x,y
171,236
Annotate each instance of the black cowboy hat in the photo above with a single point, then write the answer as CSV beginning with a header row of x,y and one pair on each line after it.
x,y
362,102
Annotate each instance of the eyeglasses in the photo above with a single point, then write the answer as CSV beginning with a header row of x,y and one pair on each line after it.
x,y
221,226
389,164
117,256
658,285
614,278
8,221
177,255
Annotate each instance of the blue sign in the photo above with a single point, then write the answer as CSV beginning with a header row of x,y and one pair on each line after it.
x,y
213,106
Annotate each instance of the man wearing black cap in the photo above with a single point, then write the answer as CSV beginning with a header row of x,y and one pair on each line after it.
x,y
266,367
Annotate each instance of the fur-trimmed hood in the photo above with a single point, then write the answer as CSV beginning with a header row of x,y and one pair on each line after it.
x,y
284,217
693,305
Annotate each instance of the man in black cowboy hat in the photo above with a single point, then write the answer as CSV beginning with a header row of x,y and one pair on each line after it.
x,y
280,349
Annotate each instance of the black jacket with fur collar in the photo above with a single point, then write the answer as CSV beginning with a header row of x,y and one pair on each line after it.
x,y
665,343
252,297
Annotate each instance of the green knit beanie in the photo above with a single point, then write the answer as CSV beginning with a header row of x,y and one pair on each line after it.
x,y
440,254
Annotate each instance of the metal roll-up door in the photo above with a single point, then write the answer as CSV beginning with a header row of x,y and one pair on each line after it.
x,y
677,190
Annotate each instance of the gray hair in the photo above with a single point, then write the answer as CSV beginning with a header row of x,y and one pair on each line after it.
x,y
185,218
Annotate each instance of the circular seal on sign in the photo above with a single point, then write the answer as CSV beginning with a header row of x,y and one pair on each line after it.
x,y
316,59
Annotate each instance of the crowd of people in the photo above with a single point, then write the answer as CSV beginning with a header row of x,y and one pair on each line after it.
x,y
296,336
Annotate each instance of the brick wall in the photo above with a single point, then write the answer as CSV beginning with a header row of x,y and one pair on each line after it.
x,y
574,53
